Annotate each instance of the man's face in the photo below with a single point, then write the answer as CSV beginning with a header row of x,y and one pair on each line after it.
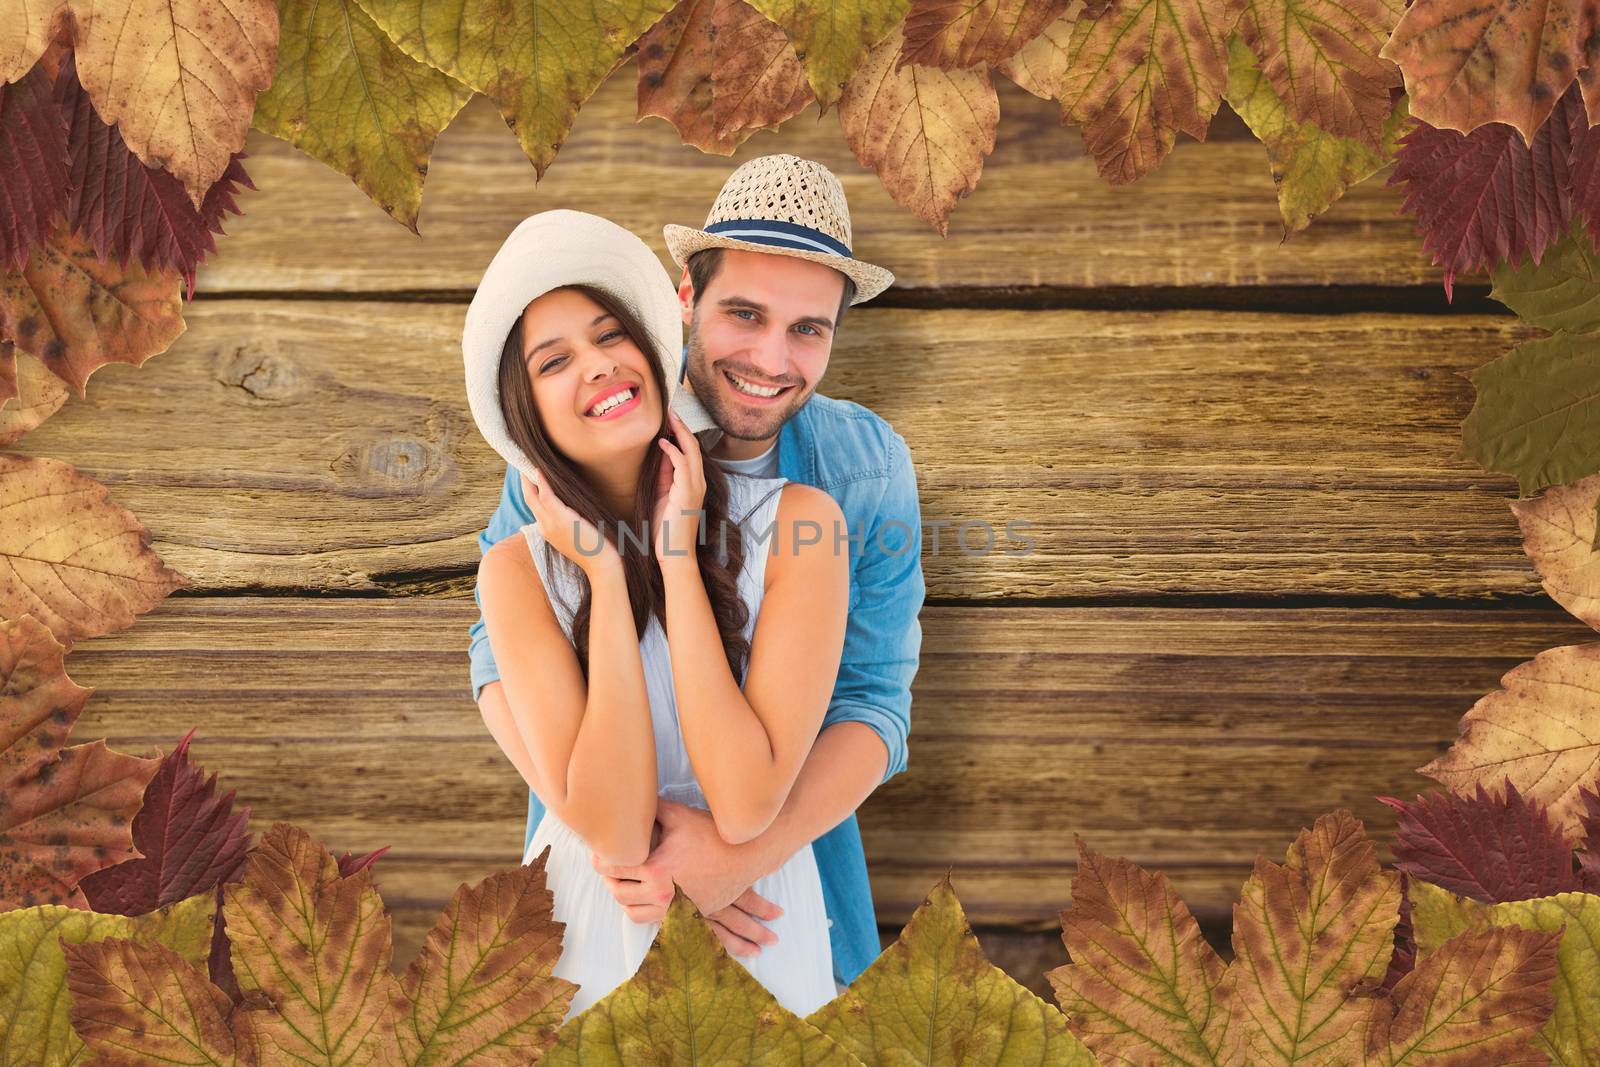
x,y
764,322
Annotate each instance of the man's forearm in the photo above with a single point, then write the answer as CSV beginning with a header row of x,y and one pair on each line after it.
x,y
845,765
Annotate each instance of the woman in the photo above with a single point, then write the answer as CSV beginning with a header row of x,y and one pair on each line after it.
x,y
651,640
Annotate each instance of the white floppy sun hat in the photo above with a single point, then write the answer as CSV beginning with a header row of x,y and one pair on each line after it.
x,y
787,206
547,251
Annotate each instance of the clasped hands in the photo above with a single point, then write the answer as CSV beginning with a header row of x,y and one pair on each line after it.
x,y
715,876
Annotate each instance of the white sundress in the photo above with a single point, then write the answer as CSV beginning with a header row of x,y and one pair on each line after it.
x,y
601,946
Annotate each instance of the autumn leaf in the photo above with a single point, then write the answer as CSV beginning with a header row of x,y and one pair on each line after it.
x,y
129,210
1541,730
1490,847
1142,72
956,34
75,314
77,562
1142,984
33,158
1305,934
1466,65
1558,533
1479,998
1311,167
1572,1034
1536,412
832,37
690,1002
924,131
933,997
719,71
1560,292
34,1001
344,94
135,1003
34,393
1320,58
538,61
1040,67
64,812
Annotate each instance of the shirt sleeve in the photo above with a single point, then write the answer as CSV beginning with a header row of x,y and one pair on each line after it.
x,y
883,637
509,517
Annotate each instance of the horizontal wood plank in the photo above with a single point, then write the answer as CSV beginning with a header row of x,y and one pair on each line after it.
x,y
1040,217
290,445
1186,739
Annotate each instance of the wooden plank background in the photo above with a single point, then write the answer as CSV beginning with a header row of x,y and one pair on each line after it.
x,y
1261,585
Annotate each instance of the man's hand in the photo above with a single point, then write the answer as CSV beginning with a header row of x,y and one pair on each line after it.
x,y
715,876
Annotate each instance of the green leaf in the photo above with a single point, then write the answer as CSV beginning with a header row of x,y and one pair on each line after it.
x,y
538,60
1560,292
1537,413
933,997
1311,167
690,1003
345,95
1572,1036
34,1002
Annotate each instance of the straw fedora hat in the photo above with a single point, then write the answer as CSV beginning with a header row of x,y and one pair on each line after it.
x,y
550,250
785,205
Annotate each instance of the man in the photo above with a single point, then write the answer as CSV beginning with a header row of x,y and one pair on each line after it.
x,y
764,288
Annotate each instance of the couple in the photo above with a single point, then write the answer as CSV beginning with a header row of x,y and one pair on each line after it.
x,y
697,652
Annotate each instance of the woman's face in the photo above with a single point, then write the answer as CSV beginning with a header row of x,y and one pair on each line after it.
x,y
592,386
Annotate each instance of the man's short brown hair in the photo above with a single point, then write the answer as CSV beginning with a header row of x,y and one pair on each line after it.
x,y
704,265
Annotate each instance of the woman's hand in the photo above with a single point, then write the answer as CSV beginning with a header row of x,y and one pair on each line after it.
x,y
568,532
680,496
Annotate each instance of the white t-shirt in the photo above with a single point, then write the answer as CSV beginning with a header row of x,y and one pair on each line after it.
x,y
762,466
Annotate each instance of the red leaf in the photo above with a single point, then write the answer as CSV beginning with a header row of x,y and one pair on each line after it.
x,y
1589,858
126,208
349,864
1486,847
192,840
1484,197
1404,960
33,158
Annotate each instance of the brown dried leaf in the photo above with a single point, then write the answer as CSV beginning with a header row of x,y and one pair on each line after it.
x,y
1467,65
64,812
1142,72
75,314
1541,729
760,82
924,131
956,34
69,556
1041,66
34,393
1558,533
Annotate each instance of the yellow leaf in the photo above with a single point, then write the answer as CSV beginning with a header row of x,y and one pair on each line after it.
x,y
691,1003
924,131
1311,167
344,94
933,997
1041,65
1559,534
1541,729
538,60
35,394
831,37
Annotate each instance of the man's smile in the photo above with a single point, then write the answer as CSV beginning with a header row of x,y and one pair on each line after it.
x,y
755,392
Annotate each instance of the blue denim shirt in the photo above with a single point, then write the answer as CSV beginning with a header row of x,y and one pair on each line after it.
x,y
859,460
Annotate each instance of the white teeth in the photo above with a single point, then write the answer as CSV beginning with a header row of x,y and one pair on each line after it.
x,y
754,390
611,402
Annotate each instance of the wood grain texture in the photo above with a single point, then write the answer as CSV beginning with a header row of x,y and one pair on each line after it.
x,y
1040,216
1188,740
290,445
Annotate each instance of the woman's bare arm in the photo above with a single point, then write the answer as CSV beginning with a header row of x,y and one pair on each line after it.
x,y
747,746
590,747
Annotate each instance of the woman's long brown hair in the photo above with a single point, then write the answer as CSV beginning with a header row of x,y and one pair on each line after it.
x,y
646,591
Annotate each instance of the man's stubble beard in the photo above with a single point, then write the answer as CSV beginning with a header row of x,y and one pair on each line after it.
x,y
737,423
